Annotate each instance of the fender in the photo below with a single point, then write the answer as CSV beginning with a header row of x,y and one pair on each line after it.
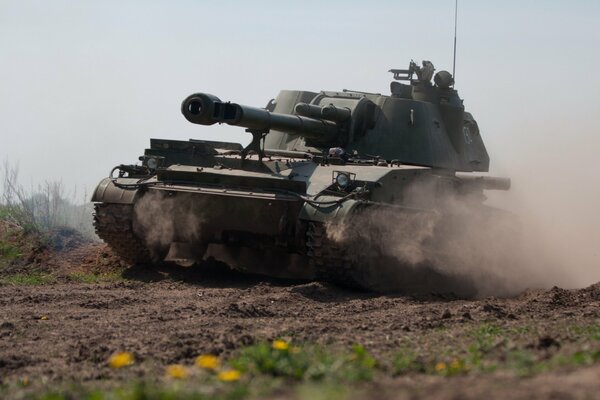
x,y
314,213
107,192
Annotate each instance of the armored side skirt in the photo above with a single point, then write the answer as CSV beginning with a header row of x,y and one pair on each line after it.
x,y
258,232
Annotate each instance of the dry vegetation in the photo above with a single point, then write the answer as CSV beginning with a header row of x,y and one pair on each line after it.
x,y
44,208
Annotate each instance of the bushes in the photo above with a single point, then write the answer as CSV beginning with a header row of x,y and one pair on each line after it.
x,y
45,208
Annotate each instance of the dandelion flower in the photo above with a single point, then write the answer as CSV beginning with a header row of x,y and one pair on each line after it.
x,y
121,359
281,345
441,366
176,371
230,375
207,361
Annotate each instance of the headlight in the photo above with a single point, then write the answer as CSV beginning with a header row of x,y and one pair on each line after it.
x,y
152,163
342,180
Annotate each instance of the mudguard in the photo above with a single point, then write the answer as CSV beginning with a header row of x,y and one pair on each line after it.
x,y
315,213
107,192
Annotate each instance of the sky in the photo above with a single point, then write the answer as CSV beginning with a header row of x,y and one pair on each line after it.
x,y
84,85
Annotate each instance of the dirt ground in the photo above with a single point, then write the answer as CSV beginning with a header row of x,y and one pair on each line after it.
x,y
65,331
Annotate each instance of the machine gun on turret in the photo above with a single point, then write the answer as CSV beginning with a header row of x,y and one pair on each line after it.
x,y
424,73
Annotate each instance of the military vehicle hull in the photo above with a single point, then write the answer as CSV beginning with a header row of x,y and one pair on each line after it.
x,y
256,226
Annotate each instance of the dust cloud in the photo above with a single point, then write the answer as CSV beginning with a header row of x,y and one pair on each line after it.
x,y
551,235
556,188
455,245
161,219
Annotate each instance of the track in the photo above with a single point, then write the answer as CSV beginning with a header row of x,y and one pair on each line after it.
x,y
114,225
330,261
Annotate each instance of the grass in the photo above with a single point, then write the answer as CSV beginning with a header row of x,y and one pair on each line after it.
x,y
579,358
312,372
311,363
103,277
491,348
36,277
177,391
30,278
9,252
255,371
143,391
591,331
408,361
16,246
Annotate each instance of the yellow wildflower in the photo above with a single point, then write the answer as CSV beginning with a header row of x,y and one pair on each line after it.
x,y
121,359
230,375
456,364
176,371
281,345
441,366
207,361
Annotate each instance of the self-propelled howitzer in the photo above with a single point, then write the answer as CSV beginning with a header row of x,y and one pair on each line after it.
x,y
318,164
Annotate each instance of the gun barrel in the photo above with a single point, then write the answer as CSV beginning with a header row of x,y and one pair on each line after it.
x,y
206,109
329,112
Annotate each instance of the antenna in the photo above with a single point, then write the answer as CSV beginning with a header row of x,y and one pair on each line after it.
x,y
454,58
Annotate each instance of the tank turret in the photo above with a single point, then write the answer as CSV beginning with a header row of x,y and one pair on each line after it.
x,y
421,123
